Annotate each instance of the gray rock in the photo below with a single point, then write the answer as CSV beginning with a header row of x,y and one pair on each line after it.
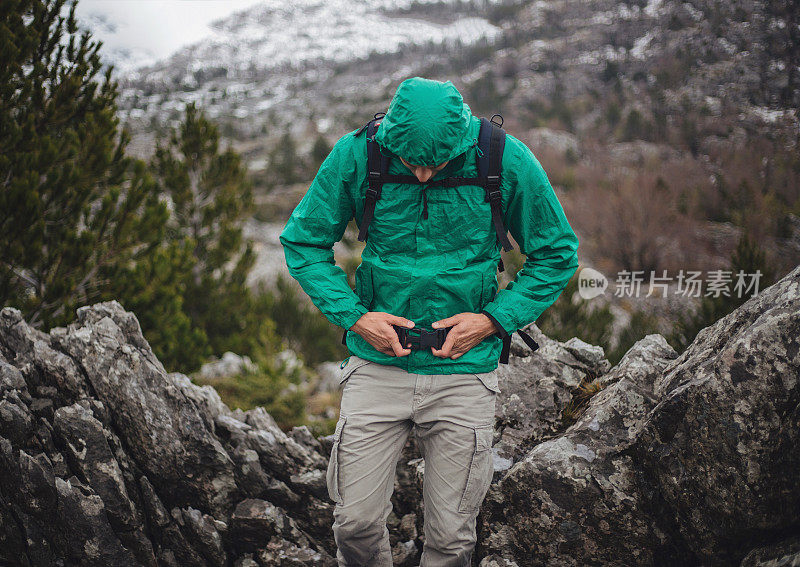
x,y
495,561
87,453
783,554
676,460
302,436
310,482
591,355
201,531
151,415
87,537
281,552
42,407
16,420
245,561
535,388
718,454
569,499
408,526
156,512
405,553
11,379
256,521
112,442
329,373
205,398
231,364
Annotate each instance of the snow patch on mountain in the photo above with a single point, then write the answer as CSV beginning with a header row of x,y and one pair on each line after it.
x,y
277,34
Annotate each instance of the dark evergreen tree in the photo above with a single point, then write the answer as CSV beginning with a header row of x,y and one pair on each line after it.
x,y
283,161
211,195
748,258
319,152
74,208
572,316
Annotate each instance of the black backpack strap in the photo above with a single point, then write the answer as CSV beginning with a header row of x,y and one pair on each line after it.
x,y
526,338
377,169
491,142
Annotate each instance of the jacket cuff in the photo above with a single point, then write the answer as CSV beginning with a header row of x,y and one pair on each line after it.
x,y
353,316
500,330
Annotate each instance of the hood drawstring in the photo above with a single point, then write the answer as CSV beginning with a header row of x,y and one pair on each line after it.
x,y
478,149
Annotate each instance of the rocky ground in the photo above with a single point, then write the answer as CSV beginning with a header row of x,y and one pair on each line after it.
x,y
106,459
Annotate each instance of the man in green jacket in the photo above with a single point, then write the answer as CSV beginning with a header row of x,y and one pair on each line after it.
x,y
429,262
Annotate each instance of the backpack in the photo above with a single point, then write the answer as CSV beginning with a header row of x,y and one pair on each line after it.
x,y
491,143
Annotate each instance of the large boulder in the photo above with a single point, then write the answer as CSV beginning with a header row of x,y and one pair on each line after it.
x,y
688,460
719,456
107,459
535,388
569,498
163,430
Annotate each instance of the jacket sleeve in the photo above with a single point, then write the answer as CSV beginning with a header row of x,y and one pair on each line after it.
x,y
316,224
536,220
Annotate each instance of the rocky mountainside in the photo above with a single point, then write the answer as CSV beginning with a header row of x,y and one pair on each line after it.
x,y
274,65
108,460
322,66
613,96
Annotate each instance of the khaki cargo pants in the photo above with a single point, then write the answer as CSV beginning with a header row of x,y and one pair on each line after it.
x,y
452,416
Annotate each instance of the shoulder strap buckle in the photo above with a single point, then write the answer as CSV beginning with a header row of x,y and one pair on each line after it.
x,y
493,193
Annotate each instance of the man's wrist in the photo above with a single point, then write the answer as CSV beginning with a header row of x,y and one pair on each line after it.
x,y
496,324
355,326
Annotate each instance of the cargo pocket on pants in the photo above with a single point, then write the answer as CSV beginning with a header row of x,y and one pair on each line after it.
x,y
480,472
332,475
350,365
489,379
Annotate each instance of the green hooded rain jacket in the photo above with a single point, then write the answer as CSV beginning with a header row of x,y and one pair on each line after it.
x,y
430,269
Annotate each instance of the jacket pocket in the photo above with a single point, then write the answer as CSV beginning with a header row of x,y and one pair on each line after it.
x,y
364,287
480,472
332,474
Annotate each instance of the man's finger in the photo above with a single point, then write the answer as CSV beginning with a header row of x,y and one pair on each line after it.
x,y
398,348
448,322
448,344
400,321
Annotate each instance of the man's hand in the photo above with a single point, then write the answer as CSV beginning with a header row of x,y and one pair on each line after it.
x,y
468,329
376,328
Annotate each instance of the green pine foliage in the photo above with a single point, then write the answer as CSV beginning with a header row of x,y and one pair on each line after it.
x,y
640,325
268,387
302,326
748,258
210,196
283,162
75,208
82,222
319,151
571,316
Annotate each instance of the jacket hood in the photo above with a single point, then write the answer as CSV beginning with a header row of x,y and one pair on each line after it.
x,y
427,122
